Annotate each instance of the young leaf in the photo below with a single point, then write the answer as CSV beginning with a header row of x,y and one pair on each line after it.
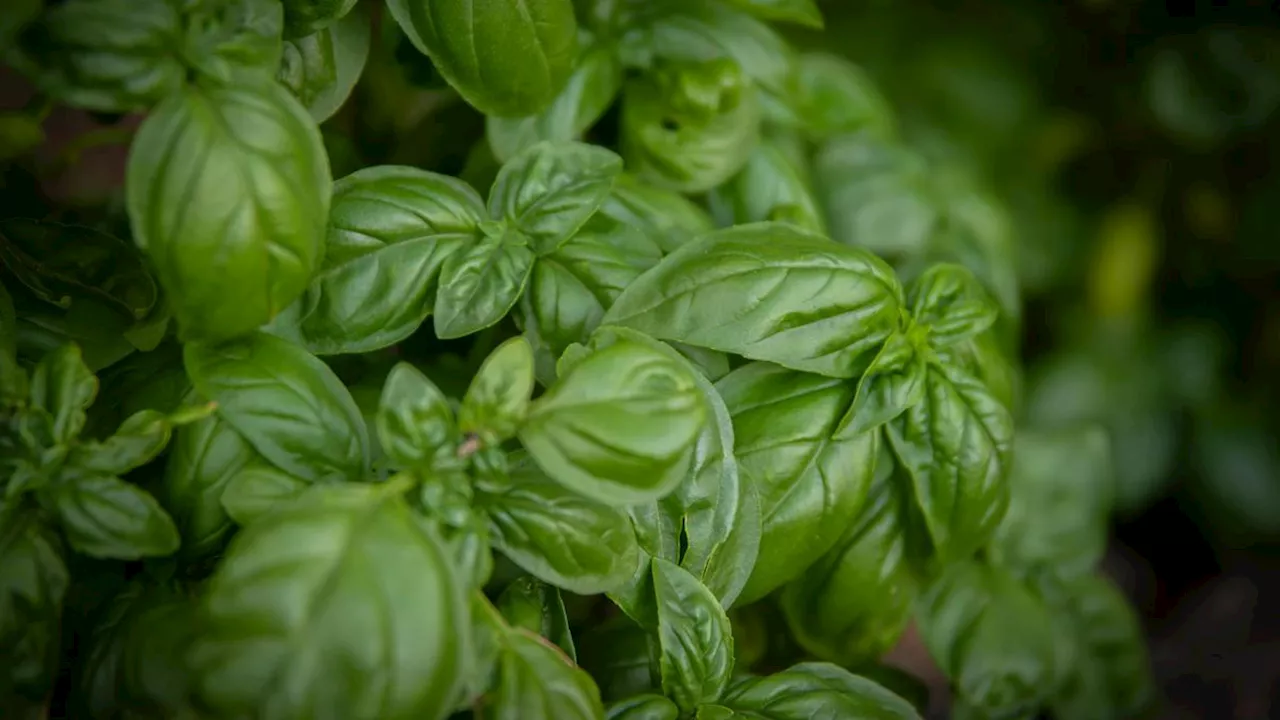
x,y
894,382
955,445
949,301
322,68
63,386
327,588
480,284
556,535
303,17
769,292
810,690
619,427
537,607
256,490
228,192
106,517
549,190
694,637
390,229
286,403
33,583
414,419
508,58
498,398
229,39
139,439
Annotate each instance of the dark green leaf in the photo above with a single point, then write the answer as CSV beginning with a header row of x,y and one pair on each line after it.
x,y
13,378
390,229
228,192
303,17
813,690
63,387
537,607
620,427
289,406
321,68
140,438
556,535
480,283
204,458
255,490
537,682
33,582
498,398
508,58
769,292
415,422
694,638
894,382
106,517
812,476
949,301
310,611
643,707
617,655
549,190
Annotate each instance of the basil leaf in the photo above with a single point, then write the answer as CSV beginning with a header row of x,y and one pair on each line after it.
x,y
1112,679
286,403
801,12
137,442
832,96
390,230
894,382
770,187
992,638
955,446
303,17
13,378
480,284
33,583
256,490
694,637
509,58
700,30
811,690
322,67
619,427
62,386
498,398
949,301
813,305
813,477
852,605
558,536
537,607
414,420
204,458
228,191
1059,500
591,89
666,217
105,517
643,707
103,55
549,190
227,39
537,682
689,127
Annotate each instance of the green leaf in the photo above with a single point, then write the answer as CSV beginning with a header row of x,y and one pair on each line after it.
x,y
33,583
852,606
1059,501
62,386
801,12
810,304
591,89
13,378
255,490
1112,678
616,653
556,535
229,39
137,442
204,458
414,420
770,187
813,690
832,96
508,58
643,707
619,427
666,217
480,284
106,517
993,638
893,383
498,398
549,190
103,55
689,127
537,682
955,446
303,17
535,606
813,477
390,229
949,301
322,68
308,610
694,638
286,403
228,193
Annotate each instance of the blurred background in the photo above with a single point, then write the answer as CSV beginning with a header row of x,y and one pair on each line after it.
x,y
1117,156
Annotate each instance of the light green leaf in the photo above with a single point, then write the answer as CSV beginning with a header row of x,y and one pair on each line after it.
x,y
813,690
894,382
666,217
949,301
256,490
832,96
480,284
322,67
414,420
694,637
498,398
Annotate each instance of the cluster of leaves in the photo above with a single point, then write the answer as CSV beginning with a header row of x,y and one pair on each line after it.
x,y
683,399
